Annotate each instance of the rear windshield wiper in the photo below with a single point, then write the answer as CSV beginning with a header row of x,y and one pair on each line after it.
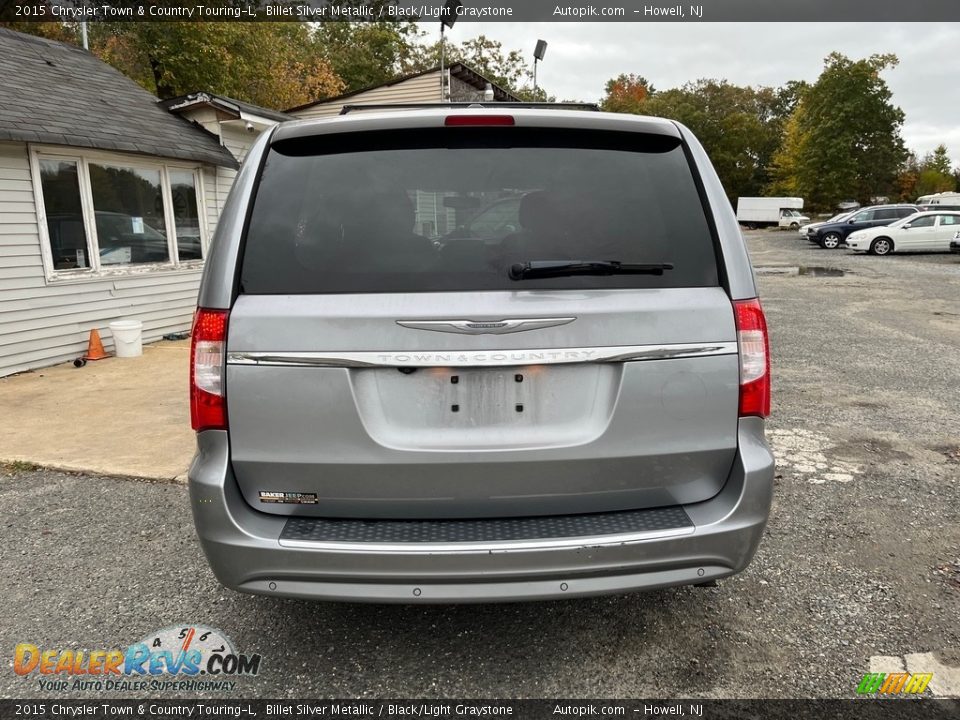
x,y
563,268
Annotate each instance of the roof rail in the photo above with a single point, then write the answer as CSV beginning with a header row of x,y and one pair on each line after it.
x,y
467,105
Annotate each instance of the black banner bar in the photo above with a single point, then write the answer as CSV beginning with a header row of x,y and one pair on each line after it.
x,y
485,10
863,709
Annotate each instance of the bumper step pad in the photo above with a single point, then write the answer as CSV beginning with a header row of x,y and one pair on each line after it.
x,y
485,530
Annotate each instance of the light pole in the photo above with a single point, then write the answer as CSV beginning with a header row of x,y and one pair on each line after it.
x,y
447,20
538,52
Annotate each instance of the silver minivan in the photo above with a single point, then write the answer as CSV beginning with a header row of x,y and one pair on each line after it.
x,y
478,354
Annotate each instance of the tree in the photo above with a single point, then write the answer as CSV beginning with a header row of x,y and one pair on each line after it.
x,y
364,54
740,127
626,94
844,137
938,160
274,64
907,178
934,174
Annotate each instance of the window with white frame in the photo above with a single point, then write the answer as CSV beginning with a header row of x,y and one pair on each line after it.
x,y
107,212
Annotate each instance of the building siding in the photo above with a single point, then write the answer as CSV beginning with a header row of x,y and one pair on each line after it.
x,y
43,324
425,88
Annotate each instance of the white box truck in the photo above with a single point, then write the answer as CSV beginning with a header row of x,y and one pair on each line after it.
x,y
757,212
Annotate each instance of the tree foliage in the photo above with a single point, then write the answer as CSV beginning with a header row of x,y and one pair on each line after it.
x,y
365,54
275,64
927,176
626,94
843,139
740,127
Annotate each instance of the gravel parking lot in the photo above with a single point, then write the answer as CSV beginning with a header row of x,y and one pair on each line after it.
x,y
861,557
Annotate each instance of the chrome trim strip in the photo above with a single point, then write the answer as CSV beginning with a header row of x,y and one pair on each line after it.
x,y
545,544
481,358
485,327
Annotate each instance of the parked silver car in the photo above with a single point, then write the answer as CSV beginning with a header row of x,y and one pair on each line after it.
x,y
575,408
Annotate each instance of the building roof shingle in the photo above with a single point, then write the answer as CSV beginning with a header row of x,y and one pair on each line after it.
x,y
52,92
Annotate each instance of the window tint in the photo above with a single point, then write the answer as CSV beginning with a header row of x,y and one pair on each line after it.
x,y
886,214
418,211
924,221
863,216
60,184
905,212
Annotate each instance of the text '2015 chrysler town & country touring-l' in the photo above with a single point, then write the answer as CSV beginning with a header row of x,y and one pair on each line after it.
x,y
394,402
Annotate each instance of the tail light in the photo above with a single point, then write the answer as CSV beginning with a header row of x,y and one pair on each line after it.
x,y
754,358
208,404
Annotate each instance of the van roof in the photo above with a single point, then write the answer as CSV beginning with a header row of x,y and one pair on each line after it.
x,y
435,117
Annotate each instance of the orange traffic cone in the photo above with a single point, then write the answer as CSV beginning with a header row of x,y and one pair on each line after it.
x,y
95,347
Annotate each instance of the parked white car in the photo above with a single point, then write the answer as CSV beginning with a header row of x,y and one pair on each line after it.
x,y
836,218
920,232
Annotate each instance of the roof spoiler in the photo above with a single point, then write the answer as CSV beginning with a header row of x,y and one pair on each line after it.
x,y
472,105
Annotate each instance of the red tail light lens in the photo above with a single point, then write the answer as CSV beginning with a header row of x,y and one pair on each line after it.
x,y
208,344
464,120
754,358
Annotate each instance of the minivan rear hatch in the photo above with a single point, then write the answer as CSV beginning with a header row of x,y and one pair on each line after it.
x,y
480,321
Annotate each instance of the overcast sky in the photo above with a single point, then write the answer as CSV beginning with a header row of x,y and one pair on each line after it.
x,y
581,57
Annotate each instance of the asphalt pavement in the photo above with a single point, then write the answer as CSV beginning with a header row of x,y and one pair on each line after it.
x,y
861,559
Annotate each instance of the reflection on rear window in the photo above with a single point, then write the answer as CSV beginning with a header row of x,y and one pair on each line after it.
x,y
453,209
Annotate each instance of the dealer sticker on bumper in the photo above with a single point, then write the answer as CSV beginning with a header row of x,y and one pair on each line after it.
x,y
288,498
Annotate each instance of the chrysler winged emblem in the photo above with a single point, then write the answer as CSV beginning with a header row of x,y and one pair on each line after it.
x,y
485,327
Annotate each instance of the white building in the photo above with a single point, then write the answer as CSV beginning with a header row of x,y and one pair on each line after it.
x,y
108,199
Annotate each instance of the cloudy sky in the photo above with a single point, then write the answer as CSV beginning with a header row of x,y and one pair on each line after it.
x,y
581,57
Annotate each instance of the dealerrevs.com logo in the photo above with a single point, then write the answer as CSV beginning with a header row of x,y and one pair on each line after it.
x,y
182,658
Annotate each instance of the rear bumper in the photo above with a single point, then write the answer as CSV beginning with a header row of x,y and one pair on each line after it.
x,y
244,547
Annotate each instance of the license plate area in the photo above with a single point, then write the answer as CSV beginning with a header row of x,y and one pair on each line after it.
x,y
492,397
486,408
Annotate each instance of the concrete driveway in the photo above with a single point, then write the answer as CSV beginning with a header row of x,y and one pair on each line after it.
x,y
119,416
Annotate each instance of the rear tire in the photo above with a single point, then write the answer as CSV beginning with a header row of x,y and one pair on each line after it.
x,y
881,246
830,241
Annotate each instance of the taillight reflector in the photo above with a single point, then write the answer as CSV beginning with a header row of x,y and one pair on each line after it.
x,y
208,408
754,345
464,120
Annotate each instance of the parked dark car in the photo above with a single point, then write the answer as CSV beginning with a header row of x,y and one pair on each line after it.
x,y
832,235
955,246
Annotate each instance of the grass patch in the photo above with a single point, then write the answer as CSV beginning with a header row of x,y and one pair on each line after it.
x,y
13,467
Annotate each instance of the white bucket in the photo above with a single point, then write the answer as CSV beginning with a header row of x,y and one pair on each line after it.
x,y
127,337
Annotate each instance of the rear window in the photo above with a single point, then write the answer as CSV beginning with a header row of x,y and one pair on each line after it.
x,y
453,208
